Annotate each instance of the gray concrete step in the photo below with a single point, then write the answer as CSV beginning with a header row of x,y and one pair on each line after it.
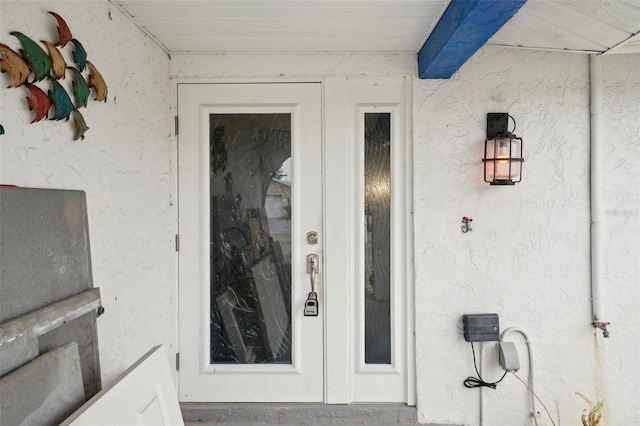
x,y
298,414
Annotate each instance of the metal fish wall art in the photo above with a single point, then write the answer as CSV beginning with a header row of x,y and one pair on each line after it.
x,y
56,104
80,88
58,64
39,102
13,64
97,82
38,60
60,101
64,33
79,54
79,124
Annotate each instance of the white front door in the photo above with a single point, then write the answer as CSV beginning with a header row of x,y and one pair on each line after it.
x,y
270,174
250,192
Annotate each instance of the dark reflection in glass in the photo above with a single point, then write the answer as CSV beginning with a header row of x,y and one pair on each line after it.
x,y
377,213
250,238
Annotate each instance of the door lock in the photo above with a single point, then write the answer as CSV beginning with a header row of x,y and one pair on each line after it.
x,y
312,238
311,305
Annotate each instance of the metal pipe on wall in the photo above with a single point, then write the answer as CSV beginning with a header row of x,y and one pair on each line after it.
x,y
595,78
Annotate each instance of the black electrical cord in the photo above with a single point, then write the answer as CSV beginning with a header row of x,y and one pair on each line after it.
x,y
477,382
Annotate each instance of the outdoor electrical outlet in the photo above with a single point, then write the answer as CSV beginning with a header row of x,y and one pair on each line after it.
x,y
481,327
508,356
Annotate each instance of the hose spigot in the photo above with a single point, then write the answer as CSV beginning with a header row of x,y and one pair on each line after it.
x,y
466,224
602,326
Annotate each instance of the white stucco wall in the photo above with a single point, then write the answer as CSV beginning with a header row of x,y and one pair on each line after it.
x,y
125,165
528,257
619,363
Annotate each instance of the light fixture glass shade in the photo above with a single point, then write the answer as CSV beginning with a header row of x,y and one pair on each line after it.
x,y
503,160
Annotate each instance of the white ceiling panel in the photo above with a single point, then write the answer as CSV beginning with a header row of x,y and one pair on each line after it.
x,y
560,37
307,26
353,26
591,26
620,14
631,46
287,25
278,9
565,19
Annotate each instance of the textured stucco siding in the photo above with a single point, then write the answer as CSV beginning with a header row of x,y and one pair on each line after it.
x,y
618,368
528,256
274,67
125,164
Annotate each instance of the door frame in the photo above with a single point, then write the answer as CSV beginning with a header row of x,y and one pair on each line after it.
x,y
335,95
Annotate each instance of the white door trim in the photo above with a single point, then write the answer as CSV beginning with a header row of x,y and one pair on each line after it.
x,y
348,379
337,199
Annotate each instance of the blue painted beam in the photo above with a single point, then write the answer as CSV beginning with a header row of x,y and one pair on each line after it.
x,y
464,28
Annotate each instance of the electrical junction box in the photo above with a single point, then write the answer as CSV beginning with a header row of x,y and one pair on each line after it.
x,y
508,356
481,327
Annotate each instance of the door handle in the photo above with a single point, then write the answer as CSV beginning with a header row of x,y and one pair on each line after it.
x,y
311,304
313,269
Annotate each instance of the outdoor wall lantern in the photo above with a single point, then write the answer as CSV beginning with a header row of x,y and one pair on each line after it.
x,y
502,151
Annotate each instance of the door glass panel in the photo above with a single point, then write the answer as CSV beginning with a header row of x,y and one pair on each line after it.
x,y
250,241
377,211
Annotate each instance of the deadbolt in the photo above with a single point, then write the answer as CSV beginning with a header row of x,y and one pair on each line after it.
x,y
312,238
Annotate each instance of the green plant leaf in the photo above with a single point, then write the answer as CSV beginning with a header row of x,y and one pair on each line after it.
x,y
587,400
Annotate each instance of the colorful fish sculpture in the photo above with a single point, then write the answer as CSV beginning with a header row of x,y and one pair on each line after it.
x,y
35,56
79,54
38,102
80,88
79,124
64,34
97,82
60,101
58,64
13,63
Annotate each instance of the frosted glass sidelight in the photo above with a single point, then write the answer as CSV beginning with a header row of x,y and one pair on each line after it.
x,y
377,223
250,240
